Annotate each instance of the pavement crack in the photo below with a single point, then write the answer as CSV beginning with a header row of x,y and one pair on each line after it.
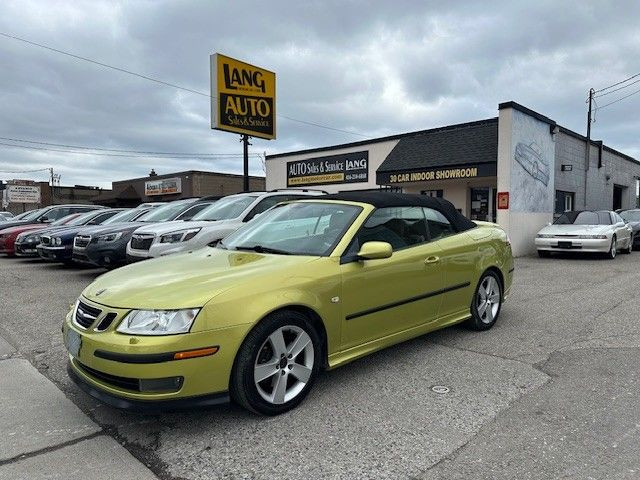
x,y
53,448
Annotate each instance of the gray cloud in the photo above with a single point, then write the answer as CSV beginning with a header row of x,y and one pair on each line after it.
x,y
371,67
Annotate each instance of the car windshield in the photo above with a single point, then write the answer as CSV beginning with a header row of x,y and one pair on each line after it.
x,y
631,215
166,212
299,228
32,215
122,217
64,220
226,208
82,219
584,218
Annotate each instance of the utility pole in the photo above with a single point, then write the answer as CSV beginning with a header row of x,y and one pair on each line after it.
x,y
52,190
588,148
245,150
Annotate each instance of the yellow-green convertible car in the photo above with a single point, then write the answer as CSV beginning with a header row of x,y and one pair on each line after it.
x,y
306,286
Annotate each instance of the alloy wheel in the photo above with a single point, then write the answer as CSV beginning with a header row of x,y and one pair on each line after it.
x,y
284,364
488,299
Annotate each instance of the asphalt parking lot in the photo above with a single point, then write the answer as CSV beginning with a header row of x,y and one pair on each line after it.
x,y
550,392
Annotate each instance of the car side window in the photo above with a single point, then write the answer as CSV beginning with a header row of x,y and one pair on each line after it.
x,y
58,213
268,202
438,225
402,227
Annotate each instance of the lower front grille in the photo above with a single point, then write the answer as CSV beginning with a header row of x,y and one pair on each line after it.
x,y
119,382
86,315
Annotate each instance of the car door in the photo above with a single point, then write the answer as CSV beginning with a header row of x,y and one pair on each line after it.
x,y
458,260
622,230
386,296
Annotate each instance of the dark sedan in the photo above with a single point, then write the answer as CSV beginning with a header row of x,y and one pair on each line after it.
x,y
57,245
107,247
632,217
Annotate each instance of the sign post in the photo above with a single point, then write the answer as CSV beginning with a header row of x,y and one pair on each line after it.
x,y
243,100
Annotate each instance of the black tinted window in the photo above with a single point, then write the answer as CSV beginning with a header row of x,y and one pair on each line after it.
x,y
402,227
438,225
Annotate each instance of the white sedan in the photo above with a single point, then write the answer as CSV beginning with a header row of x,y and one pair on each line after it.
x,y
586,231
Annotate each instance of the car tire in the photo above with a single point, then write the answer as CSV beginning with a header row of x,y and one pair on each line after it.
x,y
611,254
544,253
267,352
487,302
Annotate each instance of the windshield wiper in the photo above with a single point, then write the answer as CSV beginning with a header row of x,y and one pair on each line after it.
x,y
263,249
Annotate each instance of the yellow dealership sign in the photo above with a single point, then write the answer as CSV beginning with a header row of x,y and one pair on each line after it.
x,y
243,98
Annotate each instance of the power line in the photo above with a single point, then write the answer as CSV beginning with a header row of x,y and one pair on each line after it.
x,y
618,100
121,151
162,82
618,83
619,88
26,171
100,154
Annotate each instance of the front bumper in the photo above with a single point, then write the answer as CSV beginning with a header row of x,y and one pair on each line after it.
x,y
26,249
587,245
55,254
144,406
103,365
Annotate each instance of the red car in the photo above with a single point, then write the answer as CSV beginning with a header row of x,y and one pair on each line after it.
x,y
9,235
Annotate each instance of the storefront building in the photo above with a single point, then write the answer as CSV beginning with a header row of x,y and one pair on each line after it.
x,y
175,186
518,169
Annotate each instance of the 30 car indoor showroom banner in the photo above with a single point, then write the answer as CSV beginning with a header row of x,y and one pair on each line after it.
x,y
243,98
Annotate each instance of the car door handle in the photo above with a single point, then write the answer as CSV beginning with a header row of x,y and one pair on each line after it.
x,y
431,259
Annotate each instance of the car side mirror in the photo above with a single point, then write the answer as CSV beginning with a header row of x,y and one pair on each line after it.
x,y
375,250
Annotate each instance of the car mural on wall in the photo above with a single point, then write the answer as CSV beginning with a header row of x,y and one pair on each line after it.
x,y
533,162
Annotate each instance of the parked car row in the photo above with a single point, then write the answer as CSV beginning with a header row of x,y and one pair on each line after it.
x,y
111,237
591,231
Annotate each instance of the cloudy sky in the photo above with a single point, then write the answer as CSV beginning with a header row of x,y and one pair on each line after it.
x,y
373,68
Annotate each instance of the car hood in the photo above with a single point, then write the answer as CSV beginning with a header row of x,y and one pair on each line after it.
x,y
575,229
5,225
634,225
174,226
20,229
186,280
115,228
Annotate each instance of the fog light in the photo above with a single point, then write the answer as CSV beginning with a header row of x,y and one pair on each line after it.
x,y
169,384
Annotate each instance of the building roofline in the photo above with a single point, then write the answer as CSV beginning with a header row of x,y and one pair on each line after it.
x,y
385,139
185,172
566,131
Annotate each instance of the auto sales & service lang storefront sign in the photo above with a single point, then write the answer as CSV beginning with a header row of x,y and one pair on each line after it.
x,y
342,168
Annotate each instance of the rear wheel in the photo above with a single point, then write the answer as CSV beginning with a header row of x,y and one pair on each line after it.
x,y
629,246
276,364
486,303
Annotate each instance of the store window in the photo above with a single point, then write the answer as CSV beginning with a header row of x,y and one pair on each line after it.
x,y
432,193
564,201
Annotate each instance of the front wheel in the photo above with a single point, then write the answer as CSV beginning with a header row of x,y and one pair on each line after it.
x,y
613,250
276,364
486,303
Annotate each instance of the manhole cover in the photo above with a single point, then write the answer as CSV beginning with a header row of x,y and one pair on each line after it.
x,y
440,389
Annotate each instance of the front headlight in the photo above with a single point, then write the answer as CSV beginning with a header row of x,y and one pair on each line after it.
x,y
545,235
57,241
158,322
181,236
35,239
109,237
585,237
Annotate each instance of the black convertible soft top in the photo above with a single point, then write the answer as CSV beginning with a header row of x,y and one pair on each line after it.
x,y
390,199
